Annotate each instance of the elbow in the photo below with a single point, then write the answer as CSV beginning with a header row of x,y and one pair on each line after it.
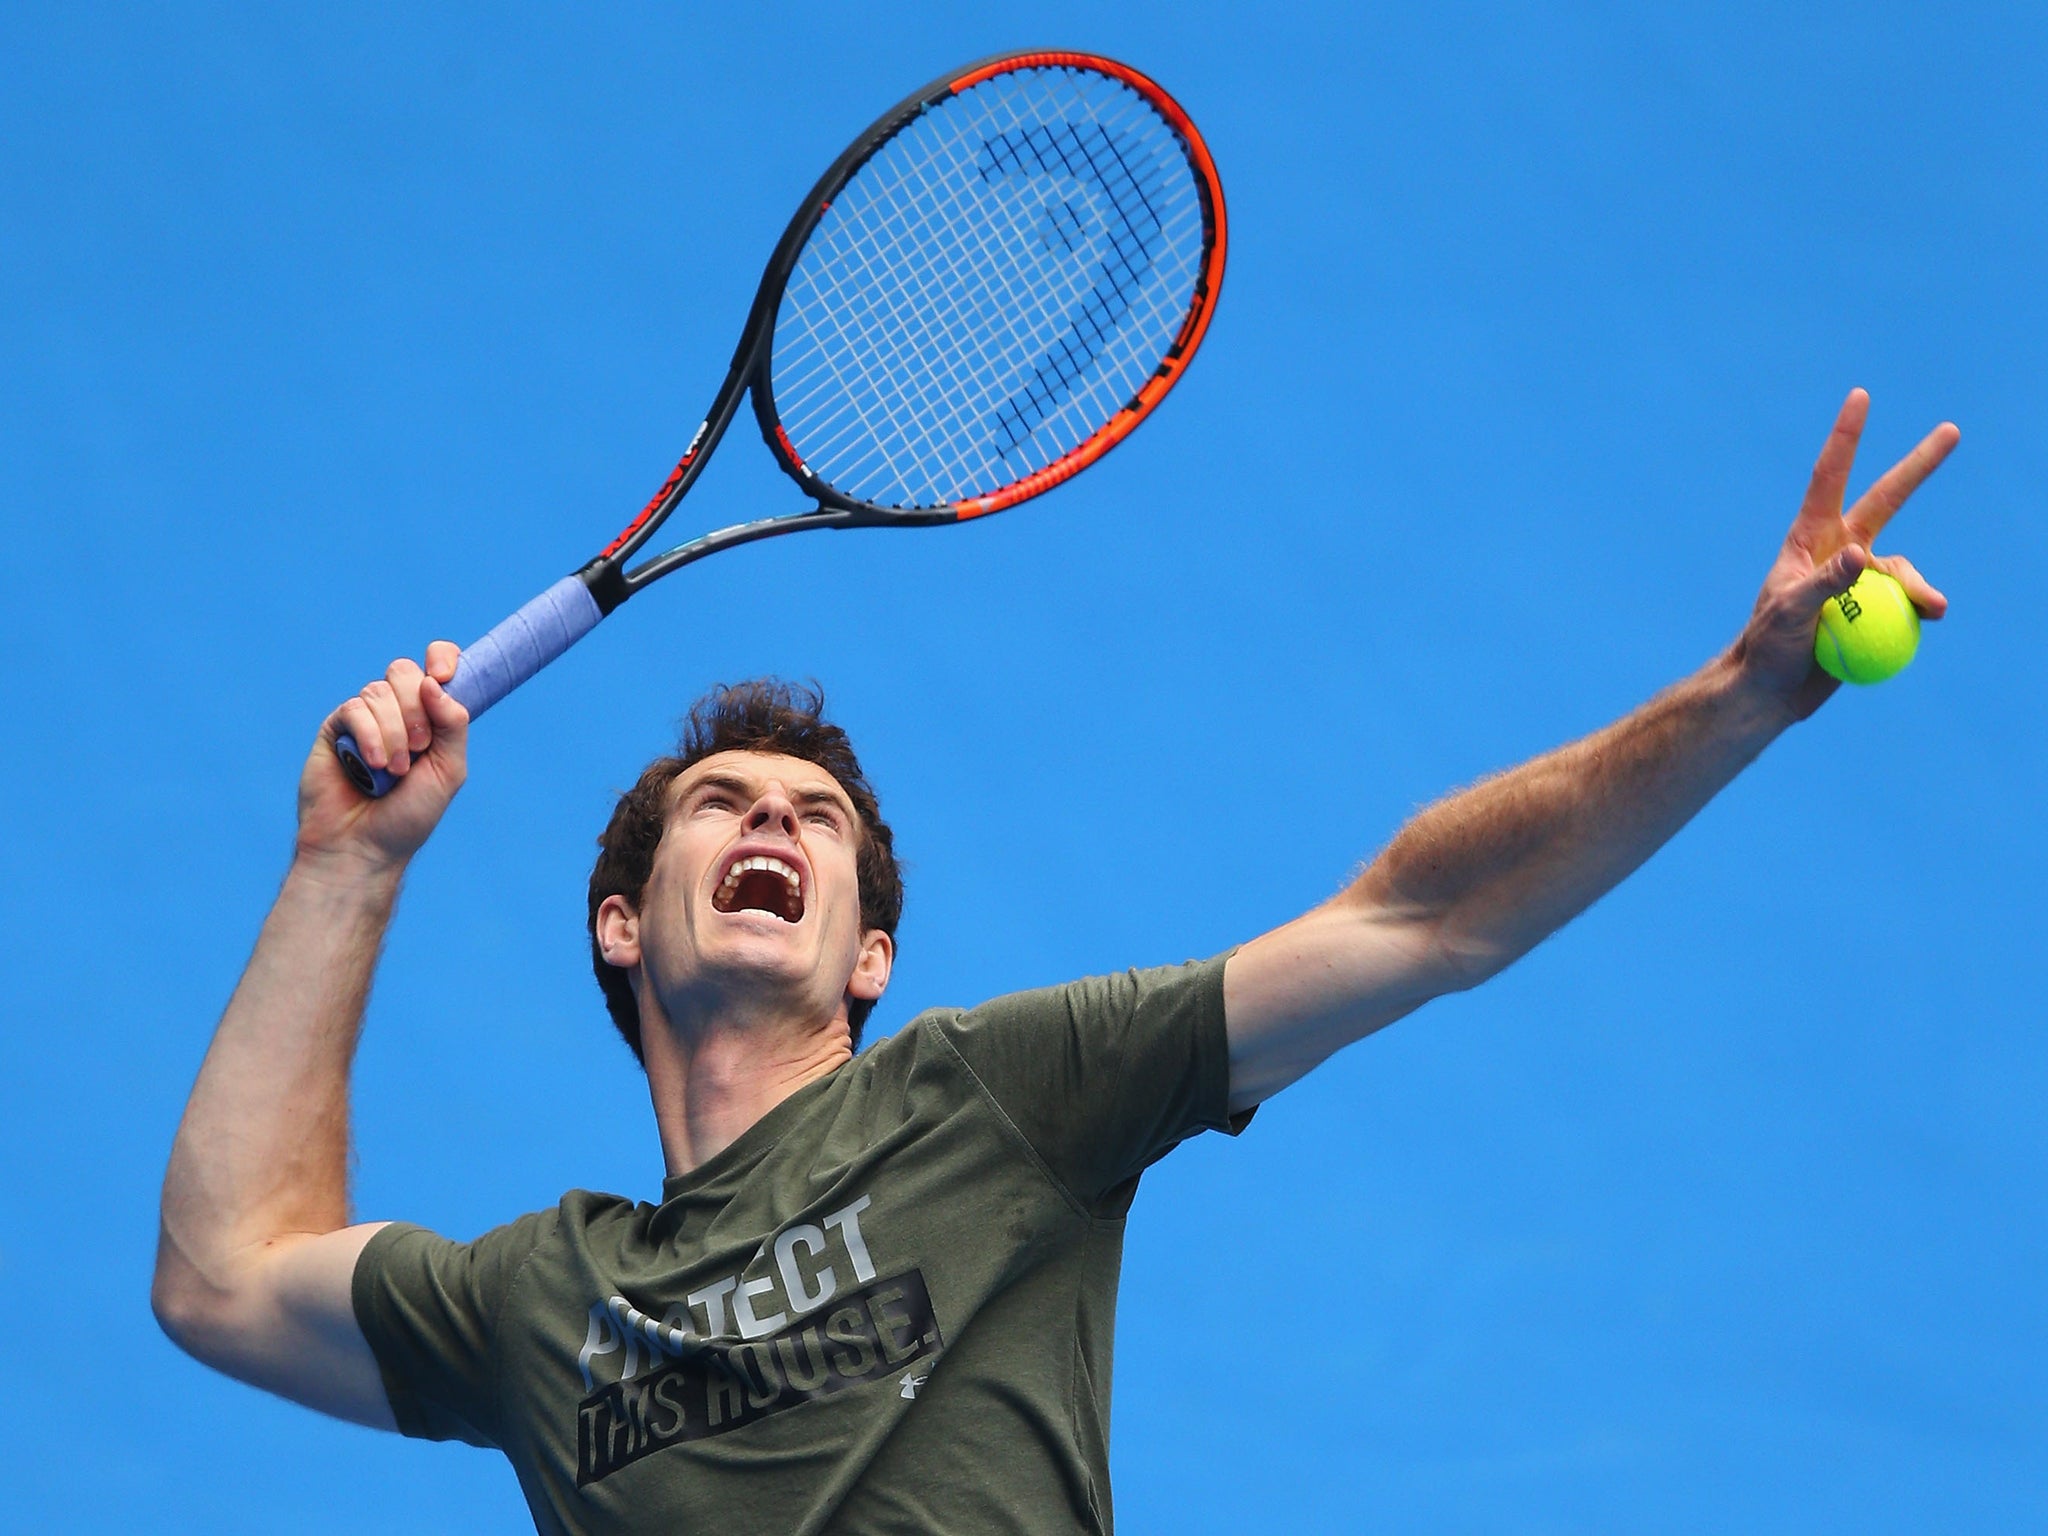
x,y
1461,957
175,1314
188,1306
1421,938
1468,911
1437,949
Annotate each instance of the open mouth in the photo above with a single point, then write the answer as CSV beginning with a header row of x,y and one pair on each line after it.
x,y
762,883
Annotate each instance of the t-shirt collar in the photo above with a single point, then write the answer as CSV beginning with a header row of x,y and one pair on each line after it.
x,y
748,1148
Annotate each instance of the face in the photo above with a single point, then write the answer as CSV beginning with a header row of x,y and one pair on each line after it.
x,y
753,902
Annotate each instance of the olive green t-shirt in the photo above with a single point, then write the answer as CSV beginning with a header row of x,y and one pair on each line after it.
x,y
887,1307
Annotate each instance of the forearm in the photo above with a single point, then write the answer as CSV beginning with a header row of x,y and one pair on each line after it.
x,y
1480,879
262,1151
1496,868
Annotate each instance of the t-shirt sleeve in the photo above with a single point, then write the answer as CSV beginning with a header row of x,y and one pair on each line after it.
x,y
429,1308
1104,1076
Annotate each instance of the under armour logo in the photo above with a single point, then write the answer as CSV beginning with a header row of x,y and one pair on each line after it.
x,y
912,1380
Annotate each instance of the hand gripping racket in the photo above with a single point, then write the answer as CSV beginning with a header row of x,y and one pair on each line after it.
x,y
988,291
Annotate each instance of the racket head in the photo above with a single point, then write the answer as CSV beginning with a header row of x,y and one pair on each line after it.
x,y
991,288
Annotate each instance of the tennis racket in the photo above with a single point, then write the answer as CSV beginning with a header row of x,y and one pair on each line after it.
x,y
988,291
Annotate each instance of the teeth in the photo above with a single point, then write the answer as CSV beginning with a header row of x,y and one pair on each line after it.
x,y
773,865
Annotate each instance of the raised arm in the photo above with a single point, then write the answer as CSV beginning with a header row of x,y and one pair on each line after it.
x,y
1476,881
256,1254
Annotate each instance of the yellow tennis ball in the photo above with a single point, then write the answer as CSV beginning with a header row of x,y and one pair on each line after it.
x,y
1869,632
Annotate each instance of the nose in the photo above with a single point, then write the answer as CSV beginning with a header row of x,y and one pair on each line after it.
x,y
773,811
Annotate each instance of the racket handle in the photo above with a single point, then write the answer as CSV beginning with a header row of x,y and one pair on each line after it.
x,y
491,668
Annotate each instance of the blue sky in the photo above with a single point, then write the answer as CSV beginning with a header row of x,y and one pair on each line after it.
x,y
325,331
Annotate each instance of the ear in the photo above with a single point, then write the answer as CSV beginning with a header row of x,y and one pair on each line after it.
x,y
618,933
871,971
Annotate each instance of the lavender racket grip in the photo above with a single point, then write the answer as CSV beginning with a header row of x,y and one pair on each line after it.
x,y
499,662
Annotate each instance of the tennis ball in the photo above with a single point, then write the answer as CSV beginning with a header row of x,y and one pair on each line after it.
x,y
1869,632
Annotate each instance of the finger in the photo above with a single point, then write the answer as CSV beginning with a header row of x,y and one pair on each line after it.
x,y
388,725
1818,527
1832,577
442,656
353,718
1874,508
1926,597
449,717
405,678
451,732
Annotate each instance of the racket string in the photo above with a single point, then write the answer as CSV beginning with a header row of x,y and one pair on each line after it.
x,y
989,289
1096,318
907,352
919,173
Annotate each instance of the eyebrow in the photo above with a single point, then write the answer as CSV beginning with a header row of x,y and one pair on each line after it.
x,y
810,794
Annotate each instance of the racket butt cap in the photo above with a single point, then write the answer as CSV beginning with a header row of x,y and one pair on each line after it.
x,y
374,783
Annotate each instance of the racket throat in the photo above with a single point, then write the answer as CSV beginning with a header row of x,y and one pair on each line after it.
x,y
606,580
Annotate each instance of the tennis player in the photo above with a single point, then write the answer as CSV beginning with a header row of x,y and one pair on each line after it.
x,y
878,1291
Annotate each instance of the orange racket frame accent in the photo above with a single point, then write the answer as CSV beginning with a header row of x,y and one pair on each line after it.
x,y
1208,284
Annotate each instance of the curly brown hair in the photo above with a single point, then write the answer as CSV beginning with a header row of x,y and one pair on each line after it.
x,y
762,715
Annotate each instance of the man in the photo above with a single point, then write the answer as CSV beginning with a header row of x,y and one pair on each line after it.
x,y
878,1291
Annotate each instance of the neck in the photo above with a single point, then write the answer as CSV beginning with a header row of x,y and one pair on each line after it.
x,y
712,1081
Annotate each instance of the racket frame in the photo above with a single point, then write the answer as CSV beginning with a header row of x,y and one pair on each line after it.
x,y
610,577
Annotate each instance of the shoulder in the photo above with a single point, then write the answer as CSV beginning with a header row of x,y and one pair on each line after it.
x,y
1048,1043
1191,981
580,1209
402,1248
891,1071
1109,999
409,1269
578,1215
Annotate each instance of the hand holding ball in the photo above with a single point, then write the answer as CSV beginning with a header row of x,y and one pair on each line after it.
x,y
1869,632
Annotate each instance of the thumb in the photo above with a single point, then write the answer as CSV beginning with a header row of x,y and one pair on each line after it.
x,y
448,718
1831,578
